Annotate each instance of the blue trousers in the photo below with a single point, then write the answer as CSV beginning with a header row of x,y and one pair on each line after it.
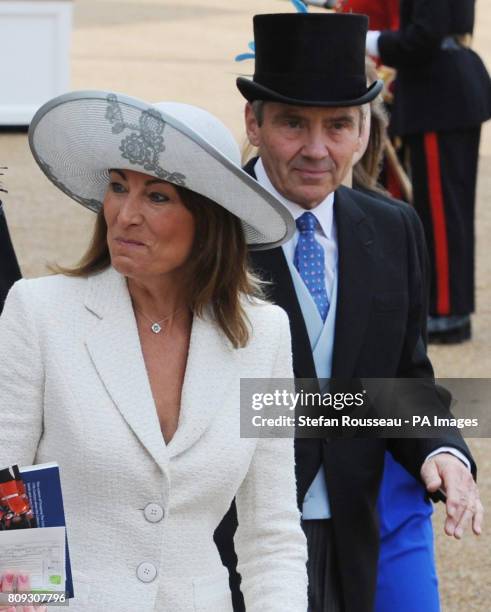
x,y
407,580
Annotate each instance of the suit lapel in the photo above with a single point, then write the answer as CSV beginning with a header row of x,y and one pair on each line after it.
x,y
355,246
115,350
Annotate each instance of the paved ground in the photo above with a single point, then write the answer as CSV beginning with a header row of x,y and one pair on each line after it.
x,y
184,50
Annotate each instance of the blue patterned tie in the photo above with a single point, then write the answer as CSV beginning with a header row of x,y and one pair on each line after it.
x,y
309,261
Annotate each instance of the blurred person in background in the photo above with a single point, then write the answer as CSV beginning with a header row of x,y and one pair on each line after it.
x,y
442,96
382,14
9,268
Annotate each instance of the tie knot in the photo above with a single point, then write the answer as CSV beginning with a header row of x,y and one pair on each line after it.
x,y
307,223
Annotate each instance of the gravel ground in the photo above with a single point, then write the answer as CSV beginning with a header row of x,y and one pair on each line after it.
x,y
184,50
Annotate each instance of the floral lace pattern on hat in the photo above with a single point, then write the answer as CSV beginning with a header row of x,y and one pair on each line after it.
x,y
144,146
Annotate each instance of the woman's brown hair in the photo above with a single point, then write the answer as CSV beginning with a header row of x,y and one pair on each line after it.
x,y
367,171
217,273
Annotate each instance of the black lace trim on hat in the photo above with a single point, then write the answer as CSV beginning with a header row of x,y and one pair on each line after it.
x,y
145,145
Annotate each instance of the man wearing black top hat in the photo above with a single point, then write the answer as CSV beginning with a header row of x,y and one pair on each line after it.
x,y
352,282
9,268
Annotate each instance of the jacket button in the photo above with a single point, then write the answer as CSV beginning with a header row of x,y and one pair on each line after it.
x,y
153,513
146,572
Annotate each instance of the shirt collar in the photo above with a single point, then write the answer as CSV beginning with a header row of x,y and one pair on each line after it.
x,y
323,211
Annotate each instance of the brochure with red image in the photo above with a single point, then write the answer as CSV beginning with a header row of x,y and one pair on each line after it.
x,y
31,497
15,507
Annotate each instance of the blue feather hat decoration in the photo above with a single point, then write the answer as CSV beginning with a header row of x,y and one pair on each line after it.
x,y
300,6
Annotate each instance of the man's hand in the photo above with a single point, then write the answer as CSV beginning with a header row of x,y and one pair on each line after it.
x,y
446,472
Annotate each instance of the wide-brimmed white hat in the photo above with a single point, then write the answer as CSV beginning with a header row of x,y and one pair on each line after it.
x,y
77,137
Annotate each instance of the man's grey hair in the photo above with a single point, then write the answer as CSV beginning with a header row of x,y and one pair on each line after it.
x,y
258,110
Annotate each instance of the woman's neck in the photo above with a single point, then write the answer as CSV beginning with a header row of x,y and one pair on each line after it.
x,y
157,298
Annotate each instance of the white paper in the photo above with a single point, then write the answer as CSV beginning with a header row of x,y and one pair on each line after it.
x,y
39,552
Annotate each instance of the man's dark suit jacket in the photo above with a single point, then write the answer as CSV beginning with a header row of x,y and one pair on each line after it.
x,y
9,268
381,311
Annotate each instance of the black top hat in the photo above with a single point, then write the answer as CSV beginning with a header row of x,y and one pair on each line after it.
x,y
310,59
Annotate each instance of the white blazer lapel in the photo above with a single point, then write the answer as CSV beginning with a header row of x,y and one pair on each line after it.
x,y
211,368
115,350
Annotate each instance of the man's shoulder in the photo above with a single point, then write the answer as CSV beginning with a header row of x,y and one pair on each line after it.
x,y
369,200
374,203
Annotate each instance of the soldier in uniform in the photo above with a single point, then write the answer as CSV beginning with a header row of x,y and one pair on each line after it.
x,y
383,14
442,96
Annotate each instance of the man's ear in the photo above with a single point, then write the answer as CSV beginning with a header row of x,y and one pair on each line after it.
x,y
252,128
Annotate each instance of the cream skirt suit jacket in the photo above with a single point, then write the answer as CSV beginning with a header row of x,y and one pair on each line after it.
x,y
140,514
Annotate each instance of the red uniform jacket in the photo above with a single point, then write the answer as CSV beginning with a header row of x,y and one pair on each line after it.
x,y
383,14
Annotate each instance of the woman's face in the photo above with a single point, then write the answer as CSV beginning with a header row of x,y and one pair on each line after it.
x,y
150,232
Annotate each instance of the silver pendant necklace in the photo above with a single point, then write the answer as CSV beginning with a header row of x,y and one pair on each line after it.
x,y
156,326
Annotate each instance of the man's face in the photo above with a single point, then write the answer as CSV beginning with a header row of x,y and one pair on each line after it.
x,y
306,151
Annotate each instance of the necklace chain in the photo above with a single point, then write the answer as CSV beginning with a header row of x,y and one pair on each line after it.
x,y
156,326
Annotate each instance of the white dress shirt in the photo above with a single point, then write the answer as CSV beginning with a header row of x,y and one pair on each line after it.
x,y
325,232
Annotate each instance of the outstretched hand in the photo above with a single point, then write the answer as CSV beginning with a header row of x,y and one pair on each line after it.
x,y
463,505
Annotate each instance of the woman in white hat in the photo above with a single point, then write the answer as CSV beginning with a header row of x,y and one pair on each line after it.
x,y
126,369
